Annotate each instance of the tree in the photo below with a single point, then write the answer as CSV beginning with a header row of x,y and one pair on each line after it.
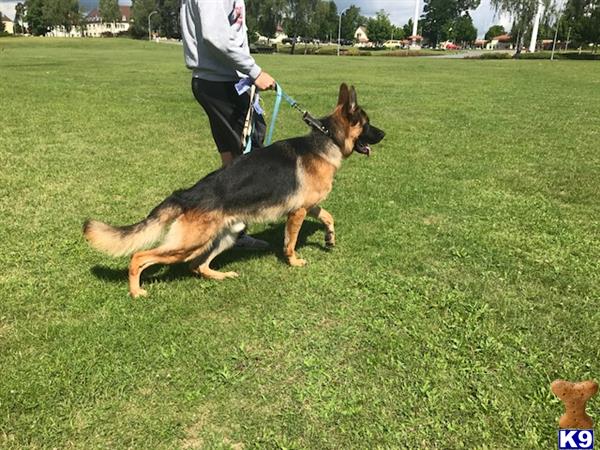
x,y
408,28
327,20
140,10
109,11
351,20
398,32
463,30
168,13
299,19
35,18
495,30
60,13
440,15
581,17
379,28
264,16
523,12
19,18
1,24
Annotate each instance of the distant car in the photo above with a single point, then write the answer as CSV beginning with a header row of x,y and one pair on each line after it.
x,y
451,46
345,42
392,43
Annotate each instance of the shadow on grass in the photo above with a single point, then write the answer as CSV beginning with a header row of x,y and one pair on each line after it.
x,y
273,235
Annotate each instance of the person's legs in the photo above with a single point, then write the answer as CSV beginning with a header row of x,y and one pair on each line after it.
x,y
226,111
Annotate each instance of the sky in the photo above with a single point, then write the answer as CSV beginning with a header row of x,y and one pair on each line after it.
x,y
400,11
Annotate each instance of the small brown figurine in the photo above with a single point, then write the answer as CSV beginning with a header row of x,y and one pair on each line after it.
x,y
575,397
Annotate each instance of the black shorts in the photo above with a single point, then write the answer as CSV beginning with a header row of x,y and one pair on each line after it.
x,y
226,112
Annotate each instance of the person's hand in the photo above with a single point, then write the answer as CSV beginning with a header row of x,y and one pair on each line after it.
x,y
265,82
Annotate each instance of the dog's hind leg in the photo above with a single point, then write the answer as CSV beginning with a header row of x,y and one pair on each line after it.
x,y
223,242
188,236
326,219
292,228
142,260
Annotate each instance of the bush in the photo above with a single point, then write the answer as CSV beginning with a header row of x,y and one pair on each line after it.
x,y
537,55
495,55
107,34
577,55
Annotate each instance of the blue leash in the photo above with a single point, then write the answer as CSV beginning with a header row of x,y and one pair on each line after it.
x,y
280,94
293,103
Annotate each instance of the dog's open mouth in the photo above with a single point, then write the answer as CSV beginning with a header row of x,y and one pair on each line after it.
x,y
361,147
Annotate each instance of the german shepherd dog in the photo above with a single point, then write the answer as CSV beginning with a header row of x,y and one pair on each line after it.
x,y
290,177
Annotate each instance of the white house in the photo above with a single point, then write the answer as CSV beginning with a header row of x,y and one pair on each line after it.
x,y
8,24
501,42
95,26
60,31
279,36
360,35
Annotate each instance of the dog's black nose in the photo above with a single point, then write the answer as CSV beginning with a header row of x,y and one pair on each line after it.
x,y
377,134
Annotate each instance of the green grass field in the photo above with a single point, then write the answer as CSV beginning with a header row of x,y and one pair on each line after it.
x,y
466,276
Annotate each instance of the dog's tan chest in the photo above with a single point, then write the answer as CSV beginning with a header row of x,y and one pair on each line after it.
x,y
317,179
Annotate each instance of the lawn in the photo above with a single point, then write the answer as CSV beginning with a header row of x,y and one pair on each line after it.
x,y
466,276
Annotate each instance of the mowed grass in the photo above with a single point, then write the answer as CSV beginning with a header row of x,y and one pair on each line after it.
x,y
466,276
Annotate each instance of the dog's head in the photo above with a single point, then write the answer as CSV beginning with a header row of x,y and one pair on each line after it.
x,y
353,132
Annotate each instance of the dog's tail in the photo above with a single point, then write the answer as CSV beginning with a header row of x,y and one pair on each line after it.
x,y
125,240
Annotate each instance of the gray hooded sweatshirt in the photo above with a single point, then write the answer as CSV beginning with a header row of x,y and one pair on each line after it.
x,y
215,40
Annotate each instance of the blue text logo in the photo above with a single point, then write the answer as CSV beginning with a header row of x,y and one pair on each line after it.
x,y
575,439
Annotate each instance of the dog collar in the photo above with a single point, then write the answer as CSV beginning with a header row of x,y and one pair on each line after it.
x,y
315,123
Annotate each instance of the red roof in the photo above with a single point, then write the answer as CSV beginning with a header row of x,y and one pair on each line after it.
x,y
503,38
415,37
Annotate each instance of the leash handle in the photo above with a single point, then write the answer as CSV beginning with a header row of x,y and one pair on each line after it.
x,y
247,133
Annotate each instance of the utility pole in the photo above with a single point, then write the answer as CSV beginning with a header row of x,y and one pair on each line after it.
x,y
149,29
415,23
536,26
568,37
340,30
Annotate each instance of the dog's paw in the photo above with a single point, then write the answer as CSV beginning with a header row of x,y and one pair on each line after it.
x,y
211,274
138,293
230,275
330,240
296,262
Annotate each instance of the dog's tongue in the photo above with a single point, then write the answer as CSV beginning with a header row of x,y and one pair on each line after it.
x,y
365,149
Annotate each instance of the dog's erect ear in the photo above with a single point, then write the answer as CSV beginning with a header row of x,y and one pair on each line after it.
x,y
353,102
344,94
347,99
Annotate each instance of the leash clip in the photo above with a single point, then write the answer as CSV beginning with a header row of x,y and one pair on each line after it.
x,y
315,123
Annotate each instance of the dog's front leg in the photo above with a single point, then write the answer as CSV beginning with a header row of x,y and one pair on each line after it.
x,y
326,219
292,228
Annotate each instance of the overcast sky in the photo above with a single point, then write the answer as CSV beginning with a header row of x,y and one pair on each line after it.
x,y
400,11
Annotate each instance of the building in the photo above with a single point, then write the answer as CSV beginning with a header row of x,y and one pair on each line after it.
x,y
60,31
502,42
8,24
480,44
278,39
95,27
360,35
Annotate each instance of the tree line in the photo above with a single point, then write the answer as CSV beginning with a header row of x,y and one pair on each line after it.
x,y
577,22
442,20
